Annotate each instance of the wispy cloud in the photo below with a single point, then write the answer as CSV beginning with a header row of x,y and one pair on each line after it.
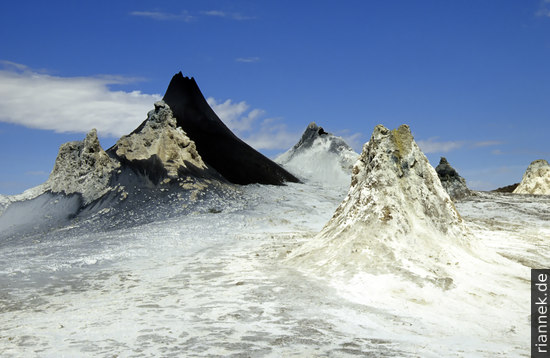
x,y
544,9
14,66
247,59
70,104
354,140
272,134
228,15
266,133
234,114
487,143
37,173
433,146
78,104
164,16
186,16
490,178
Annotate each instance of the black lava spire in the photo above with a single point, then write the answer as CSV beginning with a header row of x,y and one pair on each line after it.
x,y
219,148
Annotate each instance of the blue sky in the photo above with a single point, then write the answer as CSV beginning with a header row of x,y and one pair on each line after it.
x,y
471,78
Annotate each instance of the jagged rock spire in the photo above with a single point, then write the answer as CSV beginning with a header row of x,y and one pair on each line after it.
x,y
82,167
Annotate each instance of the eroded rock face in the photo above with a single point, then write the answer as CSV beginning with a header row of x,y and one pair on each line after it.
x,y
397,217
83,167
160,143
536,179
454,184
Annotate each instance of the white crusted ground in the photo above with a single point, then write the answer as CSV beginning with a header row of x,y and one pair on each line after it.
x,y
219,285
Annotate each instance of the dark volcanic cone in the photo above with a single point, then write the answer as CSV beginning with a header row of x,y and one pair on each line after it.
x,y
218,146
454,184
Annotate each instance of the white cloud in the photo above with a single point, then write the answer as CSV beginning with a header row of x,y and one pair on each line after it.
x,y
491,178
487,143
227,15
233,114
544,9
353,139
432,146
78,104
38,173
216,13
268,133
247,59
272,134
163,16
70,104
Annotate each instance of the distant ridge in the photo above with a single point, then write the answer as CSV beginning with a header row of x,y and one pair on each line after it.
x,y
220,148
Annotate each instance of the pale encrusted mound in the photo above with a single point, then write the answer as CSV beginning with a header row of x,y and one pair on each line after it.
x,y
536,179
161,137
82,167
397,218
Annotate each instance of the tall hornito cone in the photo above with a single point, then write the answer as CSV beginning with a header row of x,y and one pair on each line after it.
x,y
397,218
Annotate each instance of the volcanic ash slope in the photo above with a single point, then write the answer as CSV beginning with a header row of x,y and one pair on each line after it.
x,y
397,217
536,179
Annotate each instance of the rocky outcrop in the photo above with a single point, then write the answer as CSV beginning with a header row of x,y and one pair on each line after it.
x,y
159,148
311,134
83,167
220,149
157,151
321,157
397,218
454,184
536,179
507,188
